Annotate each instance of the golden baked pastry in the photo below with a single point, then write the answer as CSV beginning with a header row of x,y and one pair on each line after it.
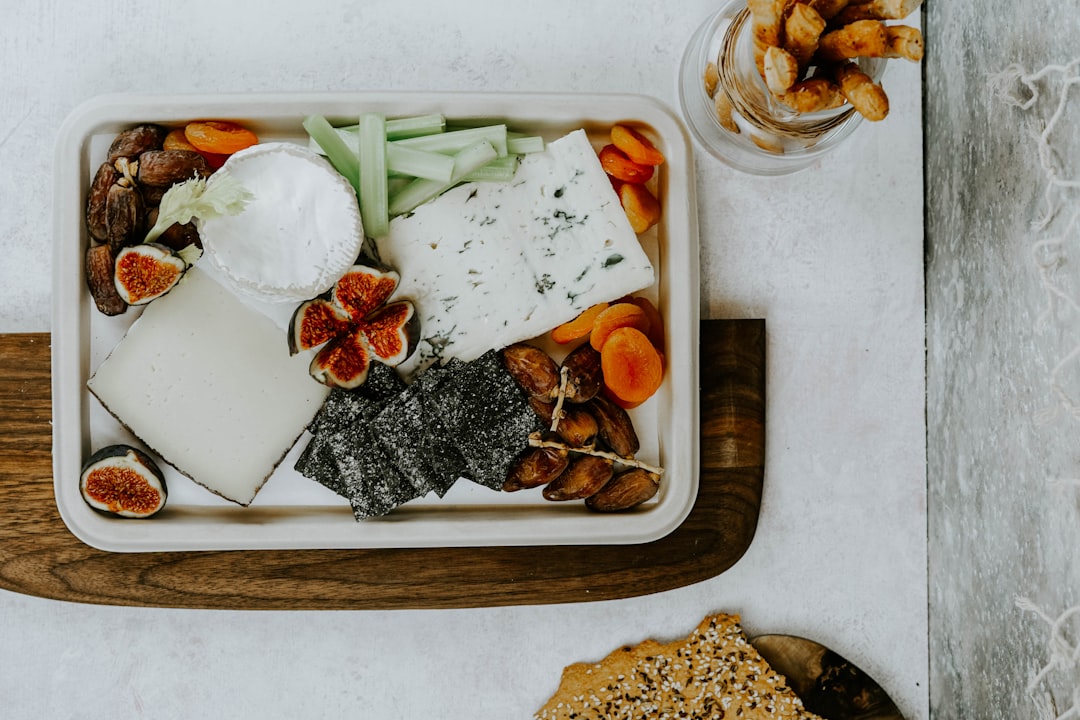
x,y
713,673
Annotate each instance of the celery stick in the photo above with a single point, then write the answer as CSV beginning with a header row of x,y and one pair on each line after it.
x,y
344,160
402,160
498,170
420,191
455,141
373,195
415,126
521,144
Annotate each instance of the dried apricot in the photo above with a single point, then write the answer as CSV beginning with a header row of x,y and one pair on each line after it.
x,y
616,164
633,368
656,321
640,205
617,316
219,136
579,327
177,140
636,146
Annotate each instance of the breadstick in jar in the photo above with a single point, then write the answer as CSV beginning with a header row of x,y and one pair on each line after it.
x,y
828,9
768,27
802,30
904,42
768,19
781,70
866,96
812,95
725,112
877,10
865,38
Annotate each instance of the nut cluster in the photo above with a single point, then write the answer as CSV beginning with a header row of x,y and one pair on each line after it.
x,y
122,204
589,436
805,51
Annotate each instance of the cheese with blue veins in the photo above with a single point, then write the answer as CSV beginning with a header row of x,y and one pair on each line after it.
x,y
491,264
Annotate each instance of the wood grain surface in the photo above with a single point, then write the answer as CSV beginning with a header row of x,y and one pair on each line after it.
x,y
39,556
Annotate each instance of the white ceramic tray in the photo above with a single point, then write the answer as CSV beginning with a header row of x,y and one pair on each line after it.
x,y
291,511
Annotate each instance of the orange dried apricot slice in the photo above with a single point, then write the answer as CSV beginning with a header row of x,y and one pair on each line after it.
x,y
640,205
633,369
636,146
616,164
655,332
579,327
617,316
219,136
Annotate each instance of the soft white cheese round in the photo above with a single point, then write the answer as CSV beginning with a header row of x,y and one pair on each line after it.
x,y
298,234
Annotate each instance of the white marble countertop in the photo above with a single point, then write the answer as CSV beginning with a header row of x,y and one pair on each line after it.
x,y
831,257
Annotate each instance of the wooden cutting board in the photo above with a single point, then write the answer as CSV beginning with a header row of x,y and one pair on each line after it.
x,y
39,556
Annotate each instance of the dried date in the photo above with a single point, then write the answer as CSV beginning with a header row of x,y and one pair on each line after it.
x,y
125,215
626,490
133,142
584,477
584,376
162,168
535,467
577,427
533,370
615,427
99,279
96,200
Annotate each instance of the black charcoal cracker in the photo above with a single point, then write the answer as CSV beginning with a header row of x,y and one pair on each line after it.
x,y
487,417
445,456
317,463
400,431
341,457
373,484
342,407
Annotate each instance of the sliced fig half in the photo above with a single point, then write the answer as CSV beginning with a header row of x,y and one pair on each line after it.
x,y
124,481
363,289
316,322
344,362
391,332
146,272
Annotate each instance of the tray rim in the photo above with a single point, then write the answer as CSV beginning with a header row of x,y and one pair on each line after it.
x,y
67,381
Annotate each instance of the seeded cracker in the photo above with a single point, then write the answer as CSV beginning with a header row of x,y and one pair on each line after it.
x,y
714,673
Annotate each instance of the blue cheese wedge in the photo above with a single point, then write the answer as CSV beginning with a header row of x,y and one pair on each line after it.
x,y
490,264
208,384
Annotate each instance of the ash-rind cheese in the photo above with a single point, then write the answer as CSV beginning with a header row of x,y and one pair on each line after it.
x,y
208,384
490,264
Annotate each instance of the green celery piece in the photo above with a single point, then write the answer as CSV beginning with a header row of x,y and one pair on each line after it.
x,y
373,193
344,159
402,160
407,127
415,126
498,170
420,191
521,144
454,141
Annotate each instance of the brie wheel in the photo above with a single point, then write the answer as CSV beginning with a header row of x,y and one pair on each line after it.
x,y
298,234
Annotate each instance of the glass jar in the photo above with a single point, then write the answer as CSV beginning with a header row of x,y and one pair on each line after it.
x,y
763,136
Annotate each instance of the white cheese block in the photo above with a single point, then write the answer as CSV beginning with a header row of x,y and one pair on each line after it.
x,y
490,264
208,384
298,234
